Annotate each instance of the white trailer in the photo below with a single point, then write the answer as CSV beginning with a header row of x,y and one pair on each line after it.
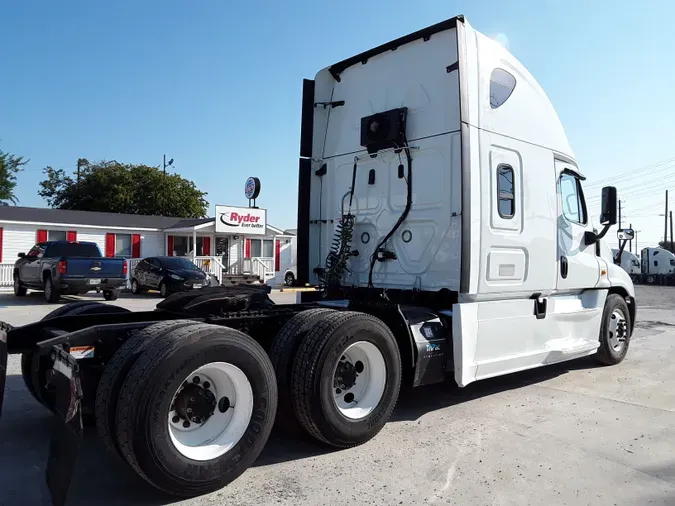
x,y
656,262
440,210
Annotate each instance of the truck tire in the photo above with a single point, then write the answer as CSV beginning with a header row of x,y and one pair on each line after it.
x,y
52,293
614,331
341,348
19,289
115,373
235,382
34,367
284,348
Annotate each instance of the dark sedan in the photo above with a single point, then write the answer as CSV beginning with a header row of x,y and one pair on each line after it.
x,y
168,275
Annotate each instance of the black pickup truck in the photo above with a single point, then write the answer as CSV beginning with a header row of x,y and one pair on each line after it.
x,y
68,268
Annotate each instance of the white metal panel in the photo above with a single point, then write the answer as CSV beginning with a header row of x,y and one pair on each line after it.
x,y
529,237
501,337
528,114
413,76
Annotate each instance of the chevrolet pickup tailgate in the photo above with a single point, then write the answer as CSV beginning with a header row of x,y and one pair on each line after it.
x,y
83,267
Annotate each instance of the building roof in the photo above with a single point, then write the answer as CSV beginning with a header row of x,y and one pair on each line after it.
x,y
96,219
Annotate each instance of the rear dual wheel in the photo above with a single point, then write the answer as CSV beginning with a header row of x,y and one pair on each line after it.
x,y
189,406
345,376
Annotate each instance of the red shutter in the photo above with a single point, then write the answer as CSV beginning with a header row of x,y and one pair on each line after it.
x,y
71,235
206,246
277,255
169,246
0,245
136,246
41,236
110,245
247,248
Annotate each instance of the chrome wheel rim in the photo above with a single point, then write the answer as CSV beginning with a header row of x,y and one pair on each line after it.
x,y
618,330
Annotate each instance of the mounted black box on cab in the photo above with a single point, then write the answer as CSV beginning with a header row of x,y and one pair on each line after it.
x,y
384,130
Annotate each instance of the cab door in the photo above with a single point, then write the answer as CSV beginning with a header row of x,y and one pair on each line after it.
x,y
577,262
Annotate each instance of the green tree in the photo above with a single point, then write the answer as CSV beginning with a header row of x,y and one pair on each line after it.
x,y
667,245
110,186
10,166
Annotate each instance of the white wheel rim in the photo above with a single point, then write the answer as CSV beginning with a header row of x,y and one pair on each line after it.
x,y
359,399
220,432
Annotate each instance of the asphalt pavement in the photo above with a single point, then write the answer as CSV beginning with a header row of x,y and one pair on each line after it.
x,y
574,433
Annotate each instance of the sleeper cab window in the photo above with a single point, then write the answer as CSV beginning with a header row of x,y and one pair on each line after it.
x,y
573,205
502,85
506,199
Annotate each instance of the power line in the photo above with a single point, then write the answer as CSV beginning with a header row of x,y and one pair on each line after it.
x,y
633,172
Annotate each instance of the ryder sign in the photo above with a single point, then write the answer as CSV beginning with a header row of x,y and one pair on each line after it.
x,y
240,220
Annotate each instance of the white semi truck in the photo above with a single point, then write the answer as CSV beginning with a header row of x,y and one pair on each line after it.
x,y
442,213
629,261
657,266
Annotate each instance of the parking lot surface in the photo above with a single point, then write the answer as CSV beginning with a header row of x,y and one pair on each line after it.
x,y
574,433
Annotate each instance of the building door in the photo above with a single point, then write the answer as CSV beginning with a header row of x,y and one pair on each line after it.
x,y
223,251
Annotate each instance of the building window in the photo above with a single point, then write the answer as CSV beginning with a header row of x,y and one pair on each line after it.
x,y
506,203
573,204
122,245
502,85
56,235
262,248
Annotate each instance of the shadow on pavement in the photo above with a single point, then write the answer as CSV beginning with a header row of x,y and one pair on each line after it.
x,y
102,478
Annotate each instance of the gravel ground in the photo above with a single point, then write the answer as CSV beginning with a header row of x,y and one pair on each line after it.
x,y
573,434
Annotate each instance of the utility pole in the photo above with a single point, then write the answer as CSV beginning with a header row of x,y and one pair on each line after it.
x,y
672,246
79,164
630,242
636,246
665,226
164,185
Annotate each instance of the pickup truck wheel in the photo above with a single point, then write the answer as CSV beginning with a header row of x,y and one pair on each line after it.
x,y
52,293
282,352
19,289
111,294
34,367
614,331
115,373
346,378
196,409
289,279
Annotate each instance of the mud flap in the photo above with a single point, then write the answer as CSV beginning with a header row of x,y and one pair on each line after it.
x,y
67,432
4,328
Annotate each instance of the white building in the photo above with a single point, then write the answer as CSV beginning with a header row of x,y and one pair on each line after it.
x,y
238,241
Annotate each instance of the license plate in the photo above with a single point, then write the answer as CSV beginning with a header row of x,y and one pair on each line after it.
x,y
196,285
94,281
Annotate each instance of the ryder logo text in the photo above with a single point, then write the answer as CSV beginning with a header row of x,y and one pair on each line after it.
x,y
236,219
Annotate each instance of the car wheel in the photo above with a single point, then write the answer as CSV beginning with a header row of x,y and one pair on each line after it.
x,y
52,293
111,294
196,409
163,290
134,287
19,290
289,279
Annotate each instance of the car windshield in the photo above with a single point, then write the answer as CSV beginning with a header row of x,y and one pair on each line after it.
x,y
73,249
178,263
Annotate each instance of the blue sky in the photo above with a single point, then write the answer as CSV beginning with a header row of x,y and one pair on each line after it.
x,y
216,85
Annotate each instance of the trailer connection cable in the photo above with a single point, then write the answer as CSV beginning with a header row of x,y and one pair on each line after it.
x,y
401,219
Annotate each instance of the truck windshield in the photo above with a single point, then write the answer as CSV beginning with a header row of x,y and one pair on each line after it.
x,y
636,263
179,263
73,249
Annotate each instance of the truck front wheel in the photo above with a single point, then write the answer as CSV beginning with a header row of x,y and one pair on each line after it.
x,y
614,331
346,378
